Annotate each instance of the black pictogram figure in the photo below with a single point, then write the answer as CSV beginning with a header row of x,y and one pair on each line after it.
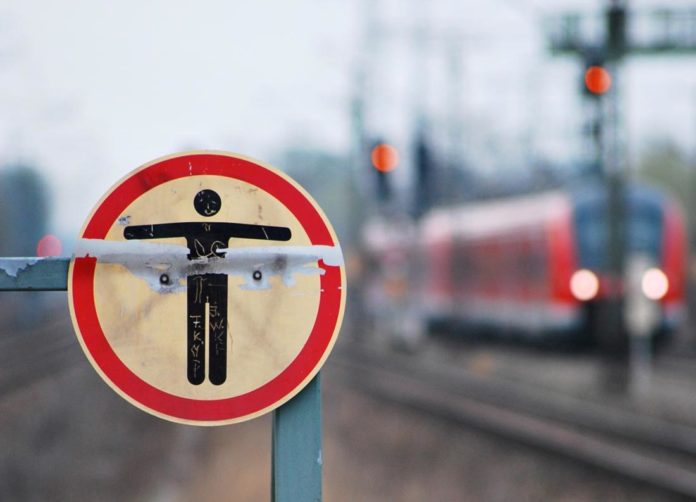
x,y
204,240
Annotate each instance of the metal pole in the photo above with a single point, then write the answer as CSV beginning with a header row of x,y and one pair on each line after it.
x,y
615,172
297,455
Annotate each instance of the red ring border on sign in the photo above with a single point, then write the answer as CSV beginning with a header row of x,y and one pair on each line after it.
x,y
273,392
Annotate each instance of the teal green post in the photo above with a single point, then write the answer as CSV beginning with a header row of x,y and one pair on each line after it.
x,y
297,455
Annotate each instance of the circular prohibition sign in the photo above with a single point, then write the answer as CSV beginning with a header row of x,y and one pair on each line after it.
x,y
278,338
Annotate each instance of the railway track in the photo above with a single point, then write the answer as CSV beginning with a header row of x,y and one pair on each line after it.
x,y
678,365
645,448
649,449
30,354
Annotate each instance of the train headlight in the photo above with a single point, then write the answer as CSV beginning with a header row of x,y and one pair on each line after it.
x,y
584,285
654,284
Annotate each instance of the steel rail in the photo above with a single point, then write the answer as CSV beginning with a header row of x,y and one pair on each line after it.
x,y
645,459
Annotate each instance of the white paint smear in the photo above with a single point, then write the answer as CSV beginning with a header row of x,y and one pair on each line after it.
x,y
165,267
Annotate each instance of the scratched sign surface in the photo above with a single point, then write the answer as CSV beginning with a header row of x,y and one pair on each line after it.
x,y
207,288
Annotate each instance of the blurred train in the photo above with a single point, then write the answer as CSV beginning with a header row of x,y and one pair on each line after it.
x,y
532,265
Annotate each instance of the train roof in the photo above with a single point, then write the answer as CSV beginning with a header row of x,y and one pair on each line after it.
x,y
496,216
493,217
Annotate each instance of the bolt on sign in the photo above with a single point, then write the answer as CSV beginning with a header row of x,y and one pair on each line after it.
x,y
207,288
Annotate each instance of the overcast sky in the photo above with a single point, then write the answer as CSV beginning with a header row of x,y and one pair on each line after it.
x,y
91,90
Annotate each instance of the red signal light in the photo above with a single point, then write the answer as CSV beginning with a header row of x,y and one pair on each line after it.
x,y
385,157
49,245
597,80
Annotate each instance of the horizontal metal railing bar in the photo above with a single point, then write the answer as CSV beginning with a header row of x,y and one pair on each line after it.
x,y
34,274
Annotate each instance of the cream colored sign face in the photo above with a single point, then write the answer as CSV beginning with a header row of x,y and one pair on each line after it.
x,y
221,344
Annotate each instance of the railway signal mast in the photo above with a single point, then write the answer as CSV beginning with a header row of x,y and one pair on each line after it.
x,y
669,32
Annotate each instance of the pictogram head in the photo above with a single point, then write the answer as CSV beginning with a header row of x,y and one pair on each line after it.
x,y
207,202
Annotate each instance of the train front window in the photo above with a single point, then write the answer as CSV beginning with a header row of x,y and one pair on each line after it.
x,y
643,231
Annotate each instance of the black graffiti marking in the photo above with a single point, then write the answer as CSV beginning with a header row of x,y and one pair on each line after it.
x,y
196,320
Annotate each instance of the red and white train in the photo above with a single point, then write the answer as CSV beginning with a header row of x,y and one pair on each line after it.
x,y
536,264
